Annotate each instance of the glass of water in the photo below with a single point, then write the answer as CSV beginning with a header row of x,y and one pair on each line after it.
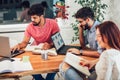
x,y
44,55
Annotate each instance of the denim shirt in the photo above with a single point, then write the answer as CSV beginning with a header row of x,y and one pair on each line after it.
x,y
90,37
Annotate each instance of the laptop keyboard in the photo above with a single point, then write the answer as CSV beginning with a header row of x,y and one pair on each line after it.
x,y
64,49
13,54
17,52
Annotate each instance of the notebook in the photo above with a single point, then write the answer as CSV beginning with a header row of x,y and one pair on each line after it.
x,y
59,44
5,48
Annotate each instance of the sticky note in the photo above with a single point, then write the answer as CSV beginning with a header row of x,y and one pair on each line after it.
x,y
25,58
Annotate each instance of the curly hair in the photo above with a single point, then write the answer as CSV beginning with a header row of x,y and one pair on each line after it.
x,y
36,9
85,12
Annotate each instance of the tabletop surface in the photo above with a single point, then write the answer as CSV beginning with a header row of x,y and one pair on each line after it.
x,y
39,65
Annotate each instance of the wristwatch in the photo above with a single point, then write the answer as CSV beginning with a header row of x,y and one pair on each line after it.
x,y
81,52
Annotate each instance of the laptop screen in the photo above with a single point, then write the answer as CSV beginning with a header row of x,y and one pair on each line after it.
x,y
57,40
4,47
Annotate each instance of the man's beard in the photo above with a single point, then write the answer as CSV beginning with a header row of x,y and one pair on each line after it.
x,y
36,24
86,27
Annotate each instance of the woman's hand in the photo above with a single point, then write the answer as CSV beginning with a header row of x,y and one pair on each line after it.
x,y
87,63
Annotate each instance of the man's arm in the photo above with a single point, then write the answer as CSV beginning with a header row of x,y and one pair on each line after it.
x,y
90,53
23,44
81,37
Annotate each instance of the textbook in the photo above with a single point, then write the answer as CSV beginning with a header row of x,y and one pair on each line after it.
x,y
14,66
74,61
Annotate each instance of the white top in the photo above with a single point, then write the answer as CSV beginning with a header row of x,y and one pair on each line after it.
x,y
108,66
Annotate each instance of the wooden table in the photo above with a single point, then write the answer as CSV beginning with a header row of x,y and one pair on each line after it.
x,y
39,66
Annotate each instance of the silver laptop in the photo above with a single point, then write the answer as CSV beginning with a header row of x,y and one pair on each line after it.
x,y
59,44
5,48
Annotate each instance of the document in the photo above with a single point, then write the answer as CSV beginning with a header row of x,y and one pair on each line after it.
x,y
34,47
37,49
14,66
74,61
51,52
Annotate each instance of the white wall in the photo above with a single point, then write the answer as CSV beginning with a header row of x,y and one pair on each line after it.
x,y
15,37
114,11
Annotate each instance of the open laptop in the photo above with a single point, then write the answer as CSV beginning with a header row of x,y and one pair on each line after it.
x,y
59,44
5,51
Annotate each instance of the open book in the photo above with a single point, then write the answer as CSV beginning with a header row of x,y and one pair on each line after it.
x,y
14,66
74,61
32,48
37,49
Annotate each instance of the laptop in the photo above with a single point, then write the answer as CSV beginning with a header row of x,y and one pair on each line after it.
x,y
5,51
59,44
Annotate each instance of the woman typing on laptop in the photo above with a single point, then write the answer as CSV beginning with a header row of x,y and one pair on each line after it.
x,y
40,29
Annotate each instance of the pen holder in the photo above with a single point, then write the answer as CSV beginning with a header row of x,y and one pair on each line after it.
x,y
44,55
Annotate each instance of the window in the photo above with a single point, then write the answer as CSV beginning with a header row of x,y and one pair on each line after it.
x,y
10,10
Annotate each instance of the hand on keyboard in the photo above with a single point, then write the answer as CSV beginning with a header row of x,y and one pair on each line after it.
x,y
14,52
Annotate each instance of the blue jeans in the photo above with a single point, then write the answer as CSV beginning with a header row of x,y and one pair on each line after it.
x,y
50,76
72,74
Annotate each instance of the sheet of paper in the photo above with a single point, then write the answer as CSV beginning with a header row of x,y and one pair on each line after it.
x,y
34,47
21,66
15,66
5,66
51,52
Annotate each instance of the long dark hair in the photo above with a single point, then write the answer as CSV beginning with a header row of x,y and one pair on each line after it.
x,y
110,30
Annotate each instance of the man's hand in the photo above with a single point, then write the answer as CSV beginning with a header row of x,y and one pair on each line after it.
x,y
74,50
16,47
46,46
80,26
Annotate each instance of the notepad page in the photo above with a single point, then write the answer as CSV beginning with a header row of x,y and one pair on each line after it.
x,y
21,66
5,66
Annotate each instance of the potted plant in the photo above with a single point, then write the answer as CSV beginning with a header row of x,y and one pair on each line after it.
x,y
99,11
